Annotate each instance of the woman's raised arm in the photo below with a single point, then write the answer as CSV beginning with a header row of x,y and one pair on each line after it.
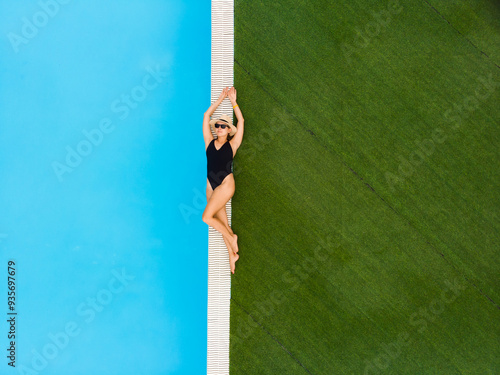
x,y
207,133
210,111
238,137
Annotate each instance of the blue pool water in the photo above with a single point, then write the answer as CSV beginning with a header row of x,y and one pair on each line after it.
x,y
102,168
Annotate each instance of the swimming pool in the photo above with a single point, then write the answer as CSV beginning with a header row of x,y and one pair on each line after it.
x,y
102,164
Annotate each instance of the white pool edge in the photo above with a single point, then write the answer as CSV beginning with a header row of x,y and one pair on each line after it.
x,y
219,273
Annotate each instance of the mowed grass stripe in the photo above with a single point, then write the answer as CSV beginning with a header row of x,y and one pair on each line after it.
x,y
347,304
294,190
382,141
478,21
267,355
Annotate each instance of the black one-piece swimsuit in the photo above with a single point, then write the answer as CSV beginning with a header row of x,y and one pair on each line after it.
x,y
219,163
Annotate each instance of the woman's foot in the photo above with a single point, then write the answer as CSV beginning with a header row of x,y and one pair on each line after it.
x,y
234,244
232,261
228,245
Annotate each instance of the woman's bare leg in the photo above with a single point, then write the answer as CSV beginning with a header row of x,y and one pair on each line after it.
x,y
233,256
222,215
218,200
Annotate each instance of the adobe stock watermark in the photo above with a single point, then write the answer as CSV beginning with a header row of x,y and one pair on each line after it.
x,y
379,23
31,25
301,272
421,320
86,310
121,107
249,148
455,116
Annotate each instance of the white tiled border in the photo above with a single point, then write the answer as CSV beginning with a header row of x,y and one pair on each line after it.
x,y
219,273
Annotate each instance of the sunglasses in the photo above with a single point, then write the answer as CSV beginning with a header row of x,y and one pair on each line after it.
x,y
221,126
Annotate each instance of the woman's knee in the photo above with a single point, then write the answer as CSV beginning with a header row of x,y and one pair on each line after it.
x,y
206,218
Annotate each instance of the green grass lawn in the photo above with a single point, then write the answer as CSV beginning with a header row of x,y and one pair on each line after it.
x,y
367,195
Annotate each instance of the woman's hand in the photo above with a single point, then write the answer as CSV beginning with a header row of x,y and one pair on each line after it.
x,y
232,95
223,94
